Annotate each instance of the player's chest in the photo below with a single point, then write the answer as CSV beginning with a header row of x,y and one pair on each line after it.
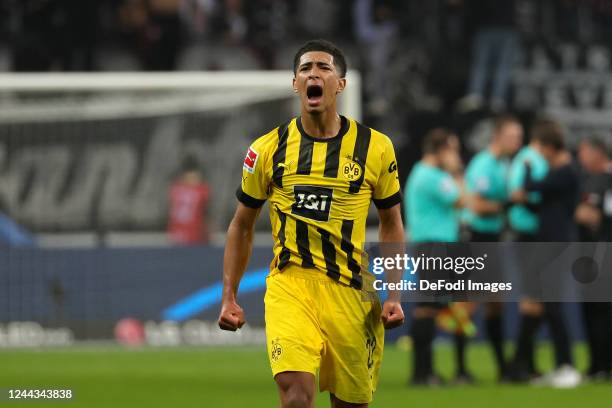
x,y
313,194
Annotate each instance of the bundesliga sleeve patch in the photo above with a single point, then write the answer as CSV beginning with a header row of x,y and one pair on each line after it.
x,y
250,160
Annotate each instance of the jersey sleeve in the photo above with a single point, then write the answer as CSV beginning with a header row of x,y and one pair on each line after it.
x,y
478,180
387,189
445,189
256,174
516,175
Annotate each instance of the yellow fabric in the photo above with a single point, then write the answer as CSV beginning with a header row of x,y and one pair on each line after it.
x,y
316,325
313,212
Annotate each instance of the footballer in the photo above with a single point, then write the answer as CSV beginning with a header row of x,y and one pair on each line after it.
x,y
319,172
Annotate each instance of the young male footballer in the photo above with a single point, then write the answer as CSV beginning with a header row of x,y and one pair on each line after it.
x,y
319,172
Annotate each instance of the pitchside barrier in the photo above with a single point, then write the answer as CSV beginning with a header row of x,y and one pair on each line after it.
x,y
156,296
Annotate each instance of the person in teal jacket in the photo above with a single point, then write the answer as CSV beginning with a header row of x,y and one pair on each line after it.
x,y
432,195
432,199
523,220
486,180
487,186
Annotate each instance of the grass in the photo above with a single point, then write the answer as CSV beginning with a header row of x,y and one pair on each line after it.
x,y
240,377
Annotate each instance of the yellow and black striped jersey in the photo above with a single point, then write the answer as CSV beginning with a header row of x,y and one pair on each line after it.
x,y
319,192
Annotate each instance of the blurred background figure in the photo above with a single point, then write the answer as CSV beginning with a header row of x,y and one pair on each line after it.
x,y
433,196
486,183
54,35
594,218
156,31
376,28
188,208
559,190
524,221
267,28
494,51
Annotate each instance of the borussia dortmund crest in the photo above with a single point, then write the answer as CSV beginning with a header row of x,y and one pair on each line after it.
x,y
277,350
351,170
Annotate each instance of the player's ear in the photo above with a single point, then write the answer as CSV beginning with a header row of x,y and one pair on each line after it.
x,y
294,86
341,85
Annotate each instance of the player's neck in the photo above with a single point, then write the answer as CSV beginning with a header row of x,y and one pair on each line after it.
x,y
431,160
321,125
495,149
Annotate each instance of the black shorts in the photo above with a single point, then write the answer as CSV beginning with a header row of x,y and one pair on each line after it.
x,y
530,282
525,237
440,298
477,236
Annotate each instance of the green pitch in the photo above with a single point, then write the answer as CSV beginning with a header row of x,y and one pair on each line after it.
x,y
224,377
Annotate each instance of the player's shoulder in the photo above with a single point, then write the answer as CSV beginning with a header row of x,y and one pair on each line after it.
x,y
519,159
482,158
424,175
478,165
269,141
378,139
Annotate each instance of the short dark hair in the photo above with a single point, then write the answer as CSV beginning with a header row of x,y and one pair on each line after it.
x,y
597,143
436,139
324,46
548,132
502,120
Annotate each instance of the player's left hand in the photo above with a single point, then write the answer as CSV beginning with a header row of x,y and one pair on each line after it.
x,y
392,314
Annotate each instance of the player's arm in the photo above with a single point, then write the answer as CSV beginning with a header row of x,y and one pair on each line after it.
x,y
588,216
462,201
479,184
391,232
239,244
483,206
387,197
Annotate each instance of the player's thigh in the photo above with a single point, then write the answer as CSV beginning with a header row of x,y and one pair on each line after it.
x,y
296,388
353,345
293,335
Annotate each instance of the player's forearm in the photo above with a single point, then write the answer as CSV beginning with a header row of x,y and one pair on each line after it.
x,y
391,237
238,248
482,206
393,233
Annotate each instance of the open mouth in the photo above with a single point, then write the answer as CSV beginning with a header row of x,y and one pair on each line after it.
x,y
314,93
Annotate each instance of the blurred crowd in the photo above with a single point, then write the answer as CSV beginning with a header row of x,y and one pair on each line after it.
x,y
446,46
534,192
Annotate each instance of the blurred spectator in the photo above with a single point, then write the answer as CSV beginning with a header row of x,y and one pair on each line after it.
x,y
236,24
594,217
189,197
376,30
155,27
197,15
54,35
267,29
495,46
432,196
559,191
594,213
486,182
318,17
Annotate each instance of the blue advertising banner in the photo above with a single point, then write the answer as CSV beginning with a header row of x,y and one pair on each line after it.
x,y
161,296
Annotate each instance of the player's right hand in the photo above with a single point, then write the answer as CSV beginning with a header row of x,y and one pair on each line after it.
x,y
392,314
231,316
